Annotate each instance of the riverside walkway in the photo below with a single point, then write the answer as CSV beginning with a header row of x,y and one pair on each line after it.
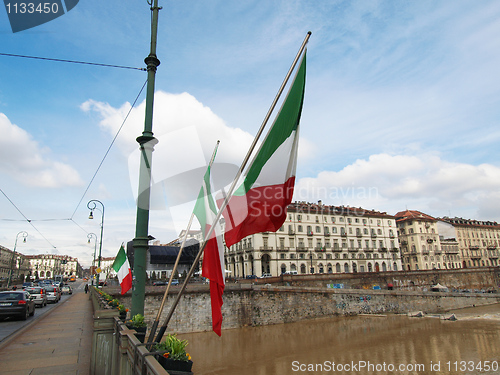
x,y
58,343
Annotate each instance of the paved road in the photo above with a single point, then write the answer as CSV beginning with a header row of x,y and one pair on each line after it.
x,y
11,326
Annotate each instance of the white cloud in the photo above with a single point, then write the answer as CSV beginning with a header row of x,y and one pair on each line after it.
x,y
23,159
424,181
173,112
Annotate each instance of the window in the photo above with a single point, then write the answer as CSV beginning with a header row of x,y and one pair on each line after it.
x,y
318,229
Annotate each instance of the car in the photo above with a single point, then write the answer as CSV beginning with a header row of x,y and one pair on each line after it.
x,y
16,304
66,289
53,294
159,283
27,285
39,295
251,277
175,282
264,275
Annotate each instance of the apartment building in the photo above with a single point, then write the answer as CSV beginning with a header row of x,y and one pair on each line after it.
x,y
46,266
317,238
419,241
477,241
16,261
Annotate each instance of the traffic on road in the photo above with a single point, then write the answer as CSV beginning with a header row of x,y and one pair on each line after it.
x,y
20,306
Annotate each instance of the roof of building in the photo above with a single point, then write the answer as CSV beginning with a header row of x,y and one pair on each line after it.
x,y
458,221
320,208
413,215
165,254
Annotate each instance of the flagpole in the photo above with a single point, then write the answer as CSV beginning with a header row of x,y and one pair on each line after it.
x,y
160,310
233,185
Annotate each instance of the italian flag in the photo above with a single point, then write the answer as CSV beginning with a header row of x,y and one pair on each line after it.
x,y
259,203
213,258
122,268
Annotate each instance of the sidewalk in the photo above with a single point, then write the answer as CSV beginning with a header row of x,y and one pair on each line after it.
x,y
59,343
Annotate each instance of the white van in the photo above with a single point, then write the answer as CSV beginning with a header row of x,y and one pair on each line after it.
x,y
291,273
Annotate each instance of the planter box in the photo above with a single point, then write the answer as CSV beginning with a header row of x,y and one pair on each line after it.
x,y
175,367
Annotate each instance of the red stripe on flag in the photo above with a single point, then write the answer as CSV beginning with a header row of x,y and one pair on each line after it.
x,y
262,209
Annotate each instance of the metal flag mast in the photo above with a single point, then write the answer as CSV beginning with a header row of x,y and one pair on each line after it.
x,y
231,190
147,142
160,310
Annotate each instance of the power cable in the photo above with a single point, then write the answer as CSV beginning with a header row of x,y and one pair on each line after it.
x,y
88,187
72,61
109,148
28,220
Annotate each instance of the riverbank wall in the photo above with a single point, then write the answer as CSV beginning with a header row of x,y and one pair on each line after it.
x,y
289,299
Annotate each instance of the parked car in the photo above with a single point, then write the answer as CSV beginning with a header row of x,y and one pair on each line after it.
x,y
251,277
27,285
39,295
264,275
158,283
66,289
175,282
16,304
53,294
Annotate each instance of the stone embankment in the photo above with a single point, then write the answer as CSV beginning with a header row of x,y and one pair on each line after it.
x,y
293,298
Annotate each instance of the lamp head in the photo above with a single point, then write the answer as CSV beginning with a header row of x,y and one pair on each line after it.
x,y
91,215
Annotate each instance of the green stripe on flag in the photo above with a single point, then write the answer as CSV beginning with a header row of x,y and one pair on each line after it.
x,y
285,123
120,259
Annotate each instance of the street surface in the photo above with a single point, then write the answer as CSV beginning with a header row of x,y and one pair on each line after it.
x,y
10,326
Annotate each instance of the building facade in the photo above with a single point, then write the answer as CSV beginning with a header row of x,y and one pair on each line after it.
x,y
317,238
16,261
420,243
46,266
478,241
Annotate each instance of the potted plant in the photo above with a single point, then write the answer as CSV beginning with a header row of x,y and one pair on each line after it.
x,y
123,312
173,356
137,323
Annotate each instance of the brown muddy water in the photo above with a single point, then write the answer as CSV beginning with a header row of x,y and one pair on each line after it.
x,y
392,344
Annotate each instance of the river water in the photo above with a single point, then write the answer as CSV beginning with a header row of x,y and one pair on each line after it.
x,y
391,344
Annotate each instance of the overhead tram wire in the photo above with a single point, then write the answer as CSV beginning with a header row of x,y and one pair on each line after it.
x,y
107,152
26,219
90,183
72,61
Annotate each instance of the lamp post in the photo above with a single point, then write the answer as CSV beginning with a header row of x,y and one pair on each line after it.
x,y
146,142
89,236
92,205
24,235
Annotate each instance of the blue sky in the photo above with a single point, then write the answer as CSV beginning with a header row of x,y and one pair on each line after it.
x,y
401,108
